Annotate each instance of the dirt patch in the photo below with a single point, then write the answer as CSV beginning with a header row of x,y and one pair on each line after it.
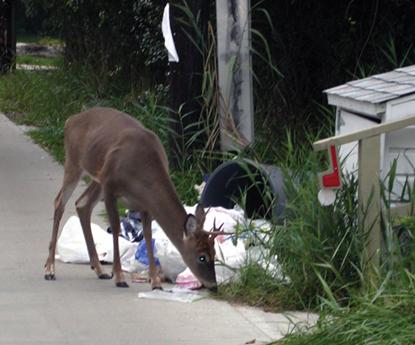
x,y
16,117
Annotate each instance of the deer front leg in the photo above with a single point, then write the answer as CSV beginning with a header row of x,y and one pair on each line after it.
x,y
154,276
111,206
84,206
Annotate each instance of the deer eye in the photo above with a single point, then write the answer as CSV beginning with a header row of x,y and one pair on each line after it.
x,y
202,259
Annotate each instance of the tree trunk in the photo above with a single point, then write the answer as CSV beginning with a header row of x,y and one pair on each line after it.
x,y
7,35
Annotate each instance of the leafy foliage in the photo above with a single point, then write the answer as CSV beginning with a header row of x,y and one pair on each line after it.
x,y
319,44
118,40
299,48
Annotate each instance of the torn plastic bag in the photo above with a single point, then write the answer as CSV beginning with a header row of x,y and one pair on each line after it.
x,y
228,217
187,280
131,227
229,258
71,246
142,256
171,261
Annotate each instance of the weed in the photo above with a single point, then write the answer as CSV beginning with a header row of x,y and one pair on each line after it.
x,y
46,99
257,287
39,61
30,38
389,319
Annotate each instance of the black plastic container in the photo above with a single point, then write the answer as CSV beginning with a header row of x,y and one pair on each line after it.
x,y
258,188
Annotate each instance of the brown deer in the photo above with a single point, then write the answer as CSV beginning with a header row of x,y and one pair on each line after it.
x,y
127,161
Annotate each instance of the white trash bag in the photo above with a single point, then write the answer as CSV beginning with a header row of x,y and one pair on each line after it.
x,y
71,246
171,261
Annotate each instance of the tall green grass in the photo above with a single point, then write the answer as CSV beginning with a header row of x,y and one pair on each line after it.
x,y
39,61
43,40
355,309
44,100
318,248
389,320
321,251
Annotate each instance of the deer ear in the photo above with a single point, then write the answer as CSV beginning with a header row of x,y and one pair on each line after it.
x,y
200,215
190,225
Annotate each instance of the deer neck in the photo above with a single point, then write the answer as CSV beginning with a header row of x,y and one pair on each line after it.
x,y
171,216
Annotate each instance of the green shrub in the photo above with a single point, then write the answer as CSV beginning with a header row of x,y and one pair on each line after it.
x,y
117,40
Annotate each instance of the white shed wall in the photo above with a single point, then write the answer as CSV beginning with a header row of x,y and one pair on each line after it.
x,y
347,122
400,145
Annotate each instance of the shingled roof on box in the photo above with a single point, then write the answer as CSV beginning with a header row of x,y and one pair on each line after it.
x,y
378,88
369,95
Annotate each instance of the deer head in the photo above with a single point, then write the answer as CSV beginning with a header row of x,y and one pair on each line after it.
x,y
199,248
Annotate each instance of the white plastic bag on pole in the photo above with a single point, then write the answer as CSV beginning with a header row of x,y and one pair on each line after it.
x,y
168,36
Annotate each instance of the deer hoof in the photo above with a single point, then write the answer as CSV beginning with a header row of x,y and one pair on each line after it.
x,y
50,276
105,276
158,288
121,284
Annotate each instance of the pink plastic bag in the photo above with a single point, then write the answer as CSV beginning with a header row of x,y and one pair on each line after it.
x,y
186,279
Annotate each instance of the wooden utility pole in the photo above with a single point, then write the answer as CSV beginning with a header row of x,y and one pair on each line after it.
x,y
188,20
7,35
235,73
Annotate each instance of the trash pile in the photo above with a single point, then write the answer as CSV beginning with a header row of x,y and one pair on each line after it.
x,y
232,251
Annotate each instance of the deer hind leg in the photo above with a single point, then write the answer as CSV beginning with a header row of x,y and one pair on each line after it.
x,y
154,272
84,206
114,218
70,180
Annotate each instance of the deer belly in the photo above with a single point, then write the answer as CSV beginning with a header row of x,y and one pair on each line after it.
x,y
132,205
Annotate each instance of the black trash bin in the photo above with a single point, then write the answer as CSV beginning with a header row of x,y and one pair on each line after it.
x,y
260,186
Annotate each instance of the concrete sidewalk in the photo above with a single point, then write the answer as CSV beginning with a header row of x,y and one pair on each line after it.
x,y
78,308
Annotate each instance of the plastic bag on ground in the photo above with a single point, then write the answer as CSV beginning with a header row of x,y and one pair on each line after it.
x,y
71,246
170,259
131,227
228,217
142,256
187,279
229,258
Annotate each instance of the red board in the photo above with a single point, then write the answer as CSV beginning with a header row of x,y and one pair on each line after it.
x,y
331,178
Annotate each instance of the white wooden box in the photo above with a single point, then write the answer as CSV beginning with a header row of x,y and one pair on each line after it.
x,y
378,99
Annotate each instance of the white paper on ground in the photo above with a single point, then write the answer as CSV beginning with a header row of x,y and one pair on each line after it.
x,y
176,294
